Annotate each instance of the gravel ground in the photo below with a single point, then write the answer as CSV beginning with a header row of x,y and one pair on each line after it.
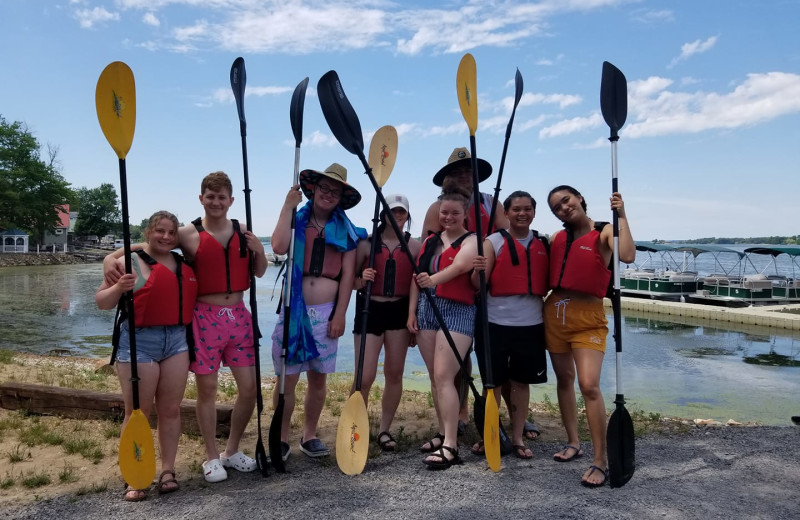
x,y
727,472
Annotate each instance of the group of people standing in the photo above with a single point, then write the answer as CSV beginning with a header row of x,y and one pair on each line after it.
x,y
542,296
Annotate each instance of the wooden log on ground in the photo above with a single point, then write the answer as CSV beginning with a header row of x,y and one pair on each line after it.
x,y
85,404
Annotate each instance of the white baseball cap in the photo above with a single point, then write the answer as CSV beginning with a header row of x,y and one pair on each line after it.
x,y
396,200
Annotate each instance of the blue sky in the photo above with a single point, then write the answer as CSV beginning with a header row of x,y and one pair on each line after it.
x,y
710,147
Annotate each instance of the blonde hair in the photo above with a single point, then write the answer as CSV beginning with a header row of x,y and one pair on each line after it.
x,y
155,218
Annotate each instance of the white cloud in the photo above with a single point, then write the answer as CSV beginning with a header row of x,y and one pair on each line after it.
x,y
317,138
150,19
88,18
569,126
690,49
759,98
653,16
225,95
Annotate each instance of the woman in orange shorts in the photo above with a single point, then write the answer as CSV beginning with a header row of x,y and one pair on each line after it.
x,y
574,318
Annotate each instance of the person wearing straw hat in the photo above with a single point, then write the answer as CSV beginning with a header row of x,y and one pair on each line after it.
x,y
391,279
456,177
323,270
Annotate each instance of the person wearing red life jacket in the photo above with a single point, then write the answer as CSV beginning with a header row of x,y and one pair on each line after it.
x,y
220,250
517,274
574,317
164,292
391,280
456,177
445,261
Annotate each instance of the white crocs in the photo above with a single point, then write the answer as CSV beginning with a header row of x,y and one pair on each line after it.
x,y
239,461
213,471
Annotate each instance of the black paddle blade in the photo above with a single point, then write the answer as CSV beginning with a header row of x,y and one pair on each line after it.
x,y
342,119
238,81
621,447
262,462
518,86
274,439
796,419
296,111
613,97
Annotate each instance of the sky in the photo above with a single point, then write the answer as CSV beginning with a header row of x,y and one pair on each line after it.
x,y
710,148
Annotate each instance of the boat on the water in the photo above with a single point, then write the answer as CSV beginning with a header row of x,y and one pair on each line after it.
x,y
660,275
785,289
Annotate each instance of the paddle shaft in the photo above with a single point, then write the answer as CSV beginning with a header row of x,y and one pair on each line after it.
x,y
615,301
368,293
287,288
482,313
126,235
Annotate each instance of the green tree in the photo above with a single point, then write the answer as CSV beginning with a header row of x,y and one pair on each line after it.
x,y
32,190
98,212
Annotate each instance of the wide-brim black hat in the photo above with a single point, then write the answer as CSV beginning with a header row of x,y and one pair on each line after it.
x,y
461,158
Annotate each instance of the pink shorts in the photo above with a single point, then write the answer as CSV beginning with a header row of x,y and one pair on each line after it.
x,y
222,335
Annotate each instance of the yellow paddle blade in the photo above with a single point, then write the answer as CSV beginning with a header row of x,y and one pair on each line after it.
x,y
352,436
137,454
115,99
383,153
491,432
466,85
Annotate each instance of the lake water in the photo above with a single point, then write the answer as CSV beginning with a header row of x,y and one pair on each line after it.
x,y
693,369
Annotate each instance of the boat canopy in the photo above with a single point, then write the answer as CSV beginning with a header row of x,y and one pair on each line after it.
x,y
696,249
652,247
774,250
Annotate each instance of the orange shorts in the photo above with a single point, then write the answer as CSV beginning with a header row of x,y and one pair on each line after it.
x,y
571,323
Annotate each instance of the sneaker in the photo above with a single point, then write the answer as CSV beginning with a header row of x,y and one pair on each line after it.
x,y
239,461
213,471
314,448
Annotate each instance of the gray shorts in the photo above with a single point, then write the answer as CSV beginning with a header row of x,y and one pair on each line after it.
x,y
153,344
457,316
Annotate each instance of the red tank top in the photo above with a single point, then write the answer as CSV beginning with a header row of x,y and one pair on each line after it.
x,y
167,298
581,268
520,270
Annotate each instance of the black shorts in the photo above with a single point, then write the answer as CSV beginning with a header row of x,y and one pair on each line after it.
x,y
383,316
518,354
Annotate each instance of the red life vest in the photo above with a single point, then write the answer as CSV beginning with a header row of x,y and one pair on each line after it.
x,y
486,209
321,259
577,265
392,275
459,289
511,276
212,260
167,298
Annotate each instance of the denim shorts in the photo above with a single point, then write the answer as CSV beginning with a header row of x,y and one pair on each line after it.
x,y
153,344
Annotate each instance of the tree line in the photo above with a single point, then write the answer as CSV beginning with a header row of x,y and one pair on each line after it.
x,y
772,240
33,192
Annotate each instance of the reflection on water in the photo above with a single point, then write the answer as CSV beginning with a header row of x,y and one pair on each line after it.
x,y
688,367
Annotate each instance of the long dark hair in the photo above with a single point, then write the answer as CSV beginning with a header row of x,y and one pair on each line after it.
x,y
382,225
565,187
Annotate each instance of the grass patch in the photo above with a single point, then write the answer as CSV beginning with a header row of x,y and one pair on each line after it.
x,y
102,487
88,448
67,474
34,479
6,356
37,434
18,454
7,481
112,430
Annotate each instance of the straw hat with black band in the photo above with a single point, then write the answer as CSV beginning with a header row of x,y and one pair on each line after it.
x,y
461,158
337,172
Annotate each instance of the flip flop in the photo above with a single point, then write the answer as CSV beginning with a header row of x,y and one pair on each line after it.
x,y
521,452
602,483
565,451
530,430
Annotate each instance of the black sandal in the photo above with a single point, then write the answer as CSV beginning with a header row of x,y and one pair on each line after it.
x,y
432,446
386,444
443,462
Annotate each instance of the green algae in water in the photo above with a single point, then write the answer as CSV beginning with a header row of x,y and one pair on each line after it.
x,y
701,352
772,359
